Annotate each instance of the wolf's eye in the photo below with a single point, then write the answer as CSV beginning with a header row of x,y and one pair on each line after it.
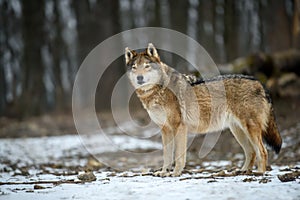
x,y
133,67
147,66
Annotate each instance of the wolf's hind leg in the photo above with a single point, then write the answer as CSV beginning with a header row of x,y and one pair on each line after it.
x,y
255,133
246,145
263,159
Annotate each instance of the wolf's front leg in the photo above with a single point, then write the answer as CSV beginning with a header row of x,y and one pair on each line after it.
x,y
180,149
168,149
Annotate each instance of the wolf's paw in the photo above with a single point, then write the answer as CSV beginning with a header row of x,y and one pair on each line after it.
x,y
176,173
162,173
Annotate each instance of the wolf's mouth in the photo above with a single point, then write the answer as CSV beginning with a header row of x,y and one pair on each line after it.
x,y
141,82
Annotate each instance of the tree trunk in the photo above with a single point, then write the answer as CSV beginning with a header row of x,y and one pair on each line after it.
x,y
296,25
32,100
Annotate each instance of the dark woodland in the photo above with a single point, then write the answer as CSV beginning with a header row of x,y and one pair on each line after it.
x,y
43,43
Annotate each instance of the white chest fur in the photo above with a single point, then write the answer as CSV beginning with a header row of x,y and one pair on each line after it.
x,y
158,114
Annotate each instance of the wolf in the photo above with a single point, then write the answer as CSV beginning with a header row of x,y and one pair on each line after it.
x,y
180,103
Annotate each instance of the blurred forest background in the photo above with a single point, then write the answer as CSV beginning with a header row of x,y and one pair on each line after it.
x,y
43,42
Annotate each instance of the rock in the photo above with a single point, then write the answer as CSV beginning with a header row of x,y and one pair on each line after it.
x,y
264,180
87,177
288,176
249,179
212,181
38,187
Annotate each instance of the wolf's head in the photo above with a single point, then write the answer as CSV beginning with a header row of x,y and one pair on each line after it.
x,y
144,68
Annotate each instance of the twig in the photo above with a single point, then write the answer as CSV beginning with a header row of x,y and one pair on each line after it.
x,y
42,182
197,177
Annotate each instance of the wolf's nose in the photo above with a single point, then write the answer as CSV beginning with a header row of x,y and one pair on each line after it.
x,y
140,78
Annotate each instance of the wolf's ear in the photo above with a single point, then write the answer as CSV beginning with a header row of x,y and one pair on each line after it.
x,y
129,54
151,50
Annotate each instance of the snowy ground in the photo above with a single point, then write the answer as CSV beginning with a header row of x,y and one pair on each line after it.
x,y
48,168
148,187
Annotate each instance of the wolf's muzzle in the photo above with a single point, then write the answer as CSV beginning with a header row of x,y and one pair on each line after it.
x,y
140,80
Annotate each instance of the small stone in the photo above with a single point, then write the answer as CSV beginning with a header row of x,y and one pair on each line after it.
x,y
287,177
112,174
38,187
212,181
264,180
249,179
87,177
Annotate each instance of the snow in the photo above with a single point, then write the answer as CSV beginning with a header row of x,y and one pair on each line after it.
x,y
126,185
148,187
46,148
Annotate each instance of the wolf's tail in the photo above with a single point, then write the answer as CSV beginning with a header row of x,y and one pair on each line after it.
x,y
271,135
